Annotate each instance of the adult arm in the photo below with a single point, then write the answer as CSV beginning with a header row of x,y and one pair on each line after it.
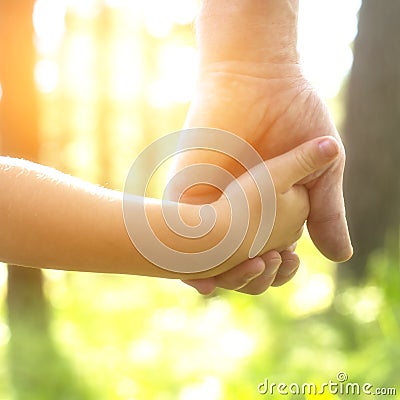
x,y
251,84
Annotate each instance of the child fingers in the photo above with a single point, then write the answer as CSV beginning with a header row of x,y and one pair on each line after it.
x,y
302,161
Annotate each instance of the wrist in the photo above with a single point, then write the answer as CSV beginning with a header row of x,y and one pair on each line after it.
x,y
248,30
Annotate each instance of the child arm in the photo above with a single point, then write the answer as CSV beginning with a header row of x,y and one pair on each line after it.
x,y
51,220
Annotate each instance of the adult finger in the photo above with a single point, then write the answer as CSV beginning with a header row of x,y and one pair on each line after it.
x,y
232,279
242,274
262,282
289,267
327,223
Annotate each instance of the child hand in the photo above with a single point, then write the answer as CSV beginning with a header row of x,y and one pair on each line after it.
x,y
287,172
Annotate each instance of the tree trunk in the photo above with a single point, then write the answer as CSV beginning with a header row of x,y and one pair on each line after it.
x,y
19,131
26,304
372,133
37,370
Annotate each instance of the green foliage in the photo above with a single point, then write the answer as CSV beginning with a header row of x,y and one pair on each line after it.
x,y
38,371
121,337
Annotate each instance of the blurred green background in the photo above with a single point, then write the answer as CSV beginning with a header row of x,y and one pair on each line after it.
x,y
101,79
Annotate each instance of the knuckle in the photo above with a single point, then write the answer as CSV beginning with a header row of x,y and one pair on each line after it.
x,y
328,218
305,162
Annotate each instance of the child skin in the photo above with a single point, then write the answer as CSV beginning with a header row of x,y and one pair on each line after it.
x,y
52,220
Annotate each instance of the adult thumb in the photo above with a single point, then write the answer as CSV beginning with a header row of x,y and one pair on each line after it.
x,y
302,161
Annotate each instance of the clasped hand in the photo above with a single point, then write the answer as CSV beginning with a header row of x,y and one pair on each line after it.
x,y
251,84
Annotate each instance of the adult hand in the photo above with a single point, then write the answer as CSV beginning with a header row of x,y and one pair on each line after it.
x,y
251,84
253,276
292,210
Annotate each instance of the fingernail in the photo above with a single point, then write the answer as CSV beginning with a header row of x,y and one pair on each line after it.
x,y
328,147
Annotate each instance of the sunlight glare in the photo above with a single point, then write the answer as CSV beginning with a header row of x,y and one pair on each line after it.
x,y
114,3
185,11
3,275
170,319
157,17
369,305
46,76
79,66
315,293
54,275
144,351
210,389
177,81
326,31
364,304
161,15
49,24
236,344
87,9
126,388
5,334
126,71
232,343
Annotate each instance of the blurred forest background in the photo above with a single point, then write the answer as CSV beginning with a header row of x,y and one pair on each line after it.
x,y
87,84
